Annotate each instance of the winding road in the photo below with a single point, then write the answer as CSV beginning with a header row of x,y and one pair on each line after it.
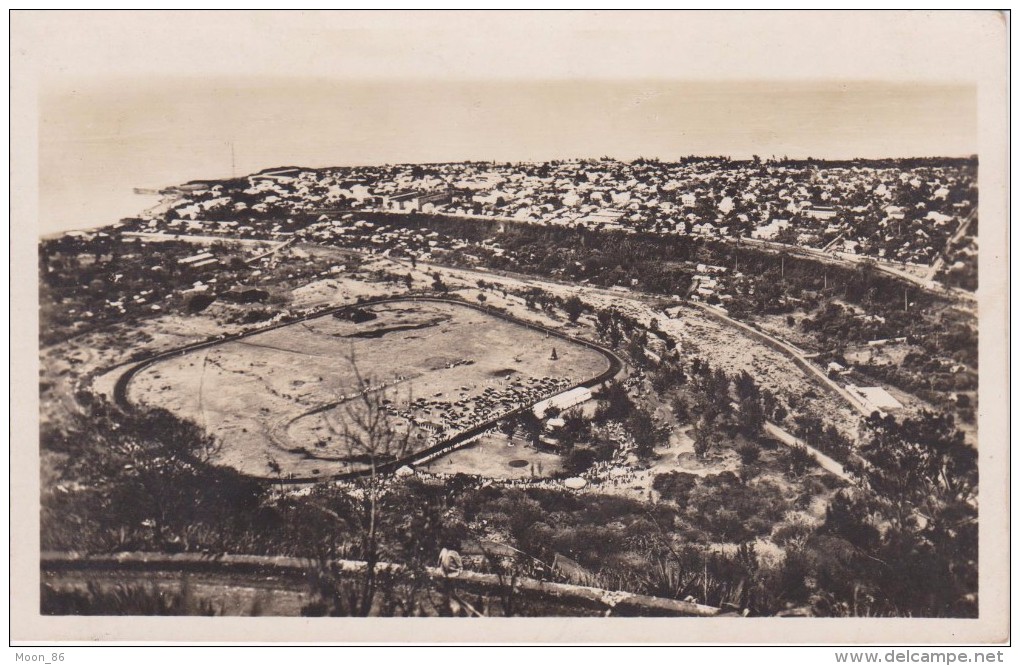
x,y
798,356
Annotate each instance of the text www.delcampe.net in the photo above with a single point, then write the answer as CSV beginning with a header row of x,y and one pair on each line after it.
x,y
919,657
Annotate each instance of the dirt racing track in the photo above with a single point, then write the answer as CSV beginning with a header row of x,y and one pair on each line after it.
x,y
295,355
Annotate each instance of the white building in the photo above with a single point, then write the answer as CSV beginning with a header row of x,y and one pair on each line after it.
x,y
874,398
563,401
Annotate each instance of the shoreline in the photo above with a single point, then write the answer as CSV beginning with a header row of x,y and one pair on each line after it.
x,y
162,202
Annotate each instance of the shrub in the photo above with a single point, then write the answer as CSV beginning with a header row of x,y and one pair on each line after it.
x,y
123,599
749,453
798,461
676,486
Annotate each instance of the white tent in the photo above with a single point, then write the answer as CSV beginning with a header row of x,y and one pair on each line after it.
x,y
575,483
405,471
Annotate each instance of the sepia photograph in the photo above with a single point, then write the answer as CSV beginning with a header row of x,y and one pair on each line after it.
x,y
574,317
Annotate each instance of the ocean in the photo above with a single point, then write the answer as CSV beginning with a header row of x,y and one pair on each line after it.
x,y
99,142
85,184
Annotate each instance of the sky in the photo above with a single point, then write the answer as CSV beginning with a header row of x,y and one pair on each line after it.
x,y
196,124
185,96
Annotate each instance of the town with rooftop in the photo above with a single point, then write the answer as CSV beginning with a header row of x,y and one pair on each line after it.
x,y
702,387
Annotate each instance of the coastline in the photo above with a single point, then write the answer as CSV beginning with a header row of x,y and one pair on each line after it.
x,y
151,205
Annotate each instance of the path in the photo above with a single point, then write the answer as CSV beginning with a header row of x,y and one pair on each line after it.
x,y
842,259
272,251
824,461
202,240
799,356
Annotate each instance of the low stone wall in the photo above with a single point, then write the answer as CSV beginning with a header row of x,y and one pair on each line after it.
x,y
55,566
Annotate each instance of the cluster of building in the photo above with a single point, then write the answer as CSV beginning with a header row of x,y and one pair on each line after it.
x,y
896,213
379,239
707,285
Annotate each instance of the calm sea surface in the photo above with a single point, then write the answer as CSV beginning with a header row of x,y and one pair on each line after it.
x,y
98,142
83,185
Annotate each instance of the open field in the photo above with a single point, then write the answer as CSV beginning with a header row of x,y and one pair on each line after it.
x,y
279,397
495,456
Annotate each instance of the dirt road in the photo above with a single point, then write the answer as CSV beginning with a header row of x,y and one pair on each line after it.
x,y
824,461
799,356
